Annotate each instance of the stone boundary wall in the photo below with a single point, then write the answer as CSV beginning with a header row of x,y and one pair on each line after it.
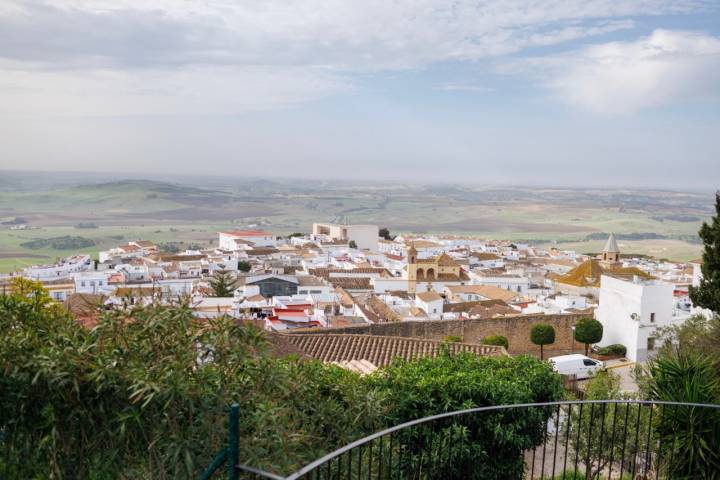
x,y
515,328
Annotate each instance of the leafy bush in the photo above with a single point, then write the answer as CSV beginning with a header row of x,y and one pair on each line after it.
x,y
143,395
690,435
595,421
453,339
136,398
496,340
614,349
484,446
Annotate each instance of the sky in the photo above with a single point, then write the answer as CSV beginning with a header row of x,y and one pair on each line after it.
x,y
558,92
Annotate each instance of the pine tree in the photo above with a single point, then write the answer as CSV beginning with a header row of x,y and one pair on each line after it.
x,y
223,283
707,294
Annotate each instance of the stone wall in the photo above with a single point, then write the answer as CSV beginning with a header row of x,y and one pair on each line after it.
x,y
516,329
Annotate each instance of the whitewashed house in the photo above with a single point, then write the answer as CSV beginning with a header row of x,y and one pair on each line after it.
x,y
631,312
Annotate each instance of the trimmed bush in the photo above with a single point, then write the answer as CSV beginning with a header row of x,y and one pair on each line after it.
x,y
614,349
542,334
496,340
587,331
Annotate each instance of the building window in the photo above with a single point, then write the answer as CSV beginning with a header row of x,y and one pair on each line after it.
x,y
652,317
82,284
651,343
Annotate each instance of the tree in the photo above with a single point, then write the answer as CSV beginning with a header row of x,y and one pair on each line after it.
x,y
587,331
542,334
223,283
496,340
352,244
707,294
696,334
244,266
385,233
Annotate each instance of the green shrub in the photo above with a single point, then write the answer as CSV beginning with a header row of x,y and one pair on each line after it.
x,y
496,340
143,395
129,398
453,339
690,435
614,349
485,446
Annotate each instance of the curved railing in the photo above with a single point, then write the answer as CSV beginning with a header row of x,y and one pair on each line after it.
x,y
571,440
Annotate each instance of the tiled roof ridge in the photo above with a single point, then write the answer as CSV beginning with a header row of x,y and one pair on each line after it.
x,y
377,349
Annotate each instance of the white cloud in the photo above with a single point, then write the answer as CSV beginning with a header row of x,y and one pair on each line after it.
x,y
664,68
203,90
463,87
125,56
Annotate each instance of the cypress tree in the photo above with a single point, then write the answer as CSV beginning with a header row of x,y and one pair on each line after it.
x,y
707,294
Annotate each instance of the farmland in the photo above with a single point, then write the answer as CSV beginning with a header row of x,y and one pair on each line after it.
x,y
107,212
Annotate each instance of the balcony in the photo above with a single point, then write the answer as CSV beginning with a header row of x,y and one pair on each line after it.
x,y
572,440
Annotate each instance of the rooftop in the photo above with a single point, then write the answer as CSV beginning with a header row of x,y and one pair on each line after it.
x,y
378,350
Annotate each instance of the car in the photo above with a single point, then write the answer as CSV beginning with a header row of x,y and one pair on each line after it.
x,y
576,364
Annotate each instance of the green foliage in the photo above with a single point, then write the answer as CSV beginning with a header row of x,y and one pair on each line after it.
x,y
352,244
696,334
587,331
614,349
143,395
542,334
453,339
607,421
707,294
67,242
244,266
296,234
138,397
489,446
573,475
223,283
496,340
384,233
690,435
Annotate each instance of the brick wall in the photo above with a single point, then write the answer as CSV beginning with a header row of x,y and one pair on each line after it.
x,y
516,329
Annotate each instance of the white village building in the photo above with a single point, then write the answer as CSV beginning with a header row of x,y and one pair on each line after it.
x,y
631,311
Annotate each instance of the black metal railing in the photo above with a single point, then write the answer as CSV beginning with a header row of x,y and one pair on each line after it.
x,y
597,439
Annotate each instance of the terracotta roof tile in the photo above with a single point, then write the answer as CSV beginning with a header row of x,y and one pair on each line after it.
x,y
378,350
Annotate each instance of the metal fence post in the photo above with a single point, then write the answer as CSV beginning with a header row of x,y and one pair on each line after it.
x,y
233,452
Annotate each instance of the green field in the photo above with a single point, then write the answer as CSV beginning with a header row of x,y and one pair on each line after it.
x,y
194,210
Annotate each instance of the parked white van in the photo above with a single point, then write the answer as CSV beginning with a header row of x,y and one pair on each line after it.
x,y
576,364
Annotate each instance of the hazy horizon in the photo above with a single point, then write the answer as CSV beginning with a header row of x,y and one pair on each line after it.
x,y
567,93
86,177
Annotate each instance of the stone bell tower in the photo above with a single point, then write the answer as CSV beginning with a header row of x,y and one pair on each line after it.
x,y
412,268
610,256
